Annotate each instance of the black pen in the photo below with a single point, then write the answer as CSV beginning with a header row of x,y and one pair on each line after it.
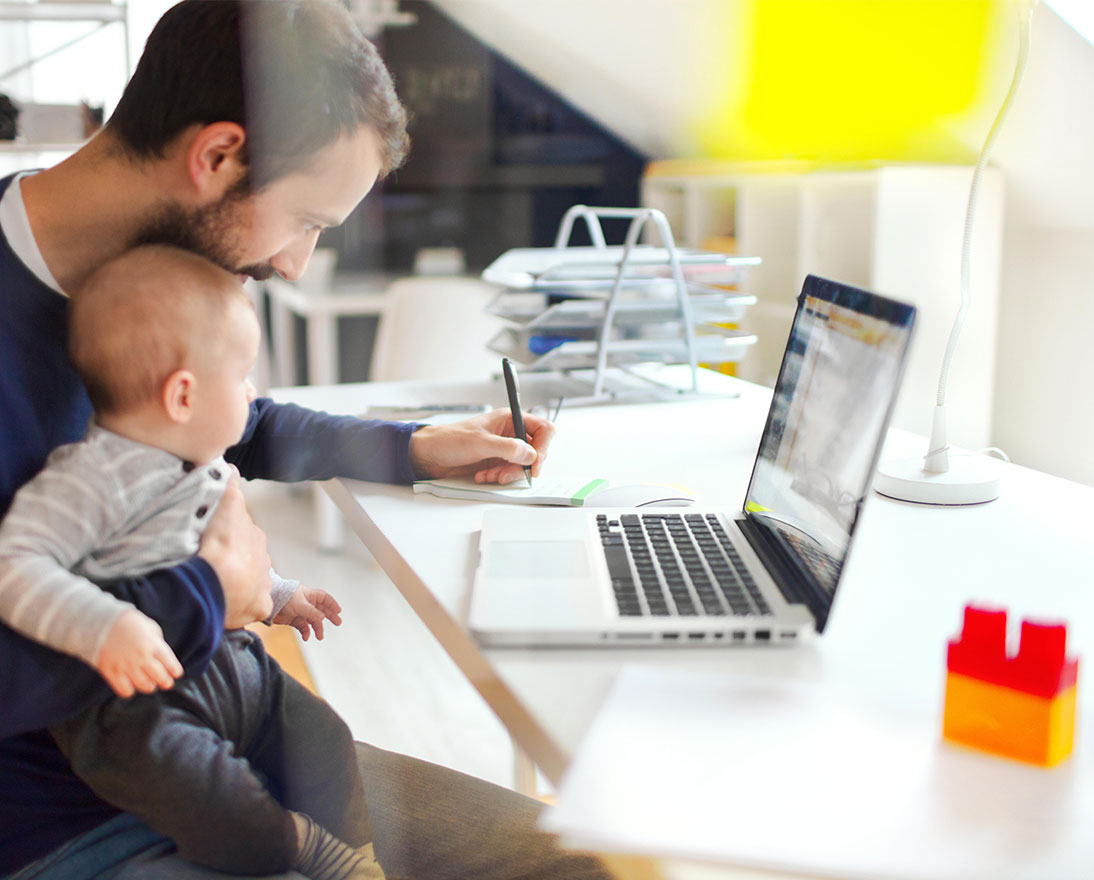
x,y
514,408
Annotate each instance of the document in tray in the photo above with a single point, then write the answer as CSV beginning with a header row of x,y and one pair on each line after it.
x,y
840,781
544,490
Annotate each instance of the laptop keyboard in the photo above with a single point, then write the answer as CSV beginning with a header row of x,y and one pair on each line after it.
x,y
671,564
823,565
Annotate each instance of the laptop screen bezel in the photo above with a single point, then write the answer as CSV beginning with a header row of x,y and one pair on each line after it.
x,y
874,305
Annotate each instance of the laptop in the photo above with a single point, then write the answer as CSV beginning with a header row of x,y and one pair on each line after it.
x,y
766,574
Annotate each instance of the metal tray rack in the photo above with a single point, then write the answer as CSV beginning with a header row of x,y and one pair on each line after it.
x,y
615,307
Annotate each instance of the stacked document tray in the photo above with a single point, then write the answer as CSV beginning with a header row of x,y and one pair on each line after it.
x,y
613,307
582,268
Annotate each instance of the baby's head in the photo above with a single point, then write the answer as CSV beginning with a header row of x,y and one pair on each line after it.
x,y
164,341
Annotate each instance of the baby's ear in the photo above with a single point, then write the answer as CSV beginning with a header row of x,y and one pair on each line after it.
x,y
178,396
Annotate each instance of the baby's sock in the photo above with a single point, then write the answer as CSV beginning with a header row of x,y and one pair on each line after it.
x,y
322,856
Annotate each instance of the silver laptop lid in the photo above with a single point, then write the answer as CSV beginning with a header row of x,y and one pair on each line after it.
x,y
835,393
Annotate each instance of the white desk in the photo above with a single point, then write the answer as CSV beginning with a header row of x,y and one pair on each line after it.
x,y
909,575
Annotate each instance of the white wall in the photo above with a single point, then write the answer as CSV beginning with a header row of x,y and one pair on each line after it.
x,y
1044,403
1044,394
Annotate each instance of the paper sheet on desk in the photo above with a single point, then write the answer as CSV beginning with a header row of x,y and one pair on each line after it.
x,y
550,490
434,414
792,776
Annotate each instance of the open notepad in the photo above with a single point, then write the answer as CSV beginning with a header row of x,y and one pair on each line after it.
x,y
566,493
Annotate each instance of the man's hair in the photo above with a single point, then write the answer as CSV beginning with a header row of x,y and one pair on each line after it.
x,y
142,316
296,74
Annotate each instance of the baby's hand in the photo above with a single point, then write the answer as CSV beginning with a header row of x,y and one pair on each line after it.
x,y
307,609
135,657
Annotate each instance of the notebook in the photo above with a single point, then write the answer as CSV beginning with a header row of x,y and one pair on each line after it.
x,y
564,493
765,574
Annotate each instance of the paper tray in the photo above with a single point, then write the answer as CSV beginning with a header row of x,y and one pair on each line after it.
x,y
530,308
713,346
593,267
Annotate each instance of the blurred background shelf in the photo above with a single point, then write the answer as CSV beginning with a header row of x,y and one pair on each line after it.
x,y
48,11
891,227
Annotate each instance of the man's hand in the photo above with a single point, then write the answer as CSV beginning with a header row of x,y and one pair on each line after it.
x,y
483,447
135,657
236,549
307,609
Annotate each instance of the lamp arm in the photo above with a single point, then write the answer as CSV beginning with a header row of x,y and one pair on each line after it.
x,y
936,458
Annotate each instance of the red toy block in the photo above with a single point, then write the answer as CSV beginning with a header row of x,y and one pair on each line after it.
x,y
1040,667
1023,706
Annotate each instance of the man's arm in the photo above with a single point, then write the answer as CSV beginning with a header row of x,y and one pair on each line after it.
x,y
40,687
289,442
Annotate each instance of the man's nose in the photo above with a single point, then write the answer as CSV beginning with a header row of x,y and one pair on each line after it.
x,y
291,261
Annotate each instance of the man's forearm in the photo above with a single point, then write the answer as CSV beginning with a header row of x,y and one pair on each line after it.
x,y
40,687
187,602
291,443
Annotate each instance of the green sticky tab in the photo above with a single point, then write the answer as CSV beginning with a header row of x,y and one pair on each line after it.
x,y
585,491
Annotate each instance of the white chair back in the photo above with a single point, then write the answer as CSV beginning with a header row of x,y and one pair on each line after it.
x,y
436,327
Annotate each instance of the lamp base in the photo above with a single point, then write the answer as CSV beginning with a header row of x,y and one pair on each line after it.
x,y
971,479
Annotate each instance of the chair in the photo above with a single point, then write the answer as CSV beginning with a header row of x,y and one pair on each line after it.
x,y
435,326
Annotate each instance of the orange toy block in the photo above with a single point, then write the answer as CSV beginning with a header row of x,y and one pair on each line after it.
x,y
1021,707
1008,722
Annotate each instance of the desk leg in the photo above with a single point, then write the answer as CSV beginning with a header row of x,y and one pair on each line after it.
x,y
323,370
524,771
284,344
329,530
322,349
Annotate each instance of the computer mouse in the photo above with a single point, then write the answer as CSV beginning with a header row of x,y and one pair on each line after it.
x,y
641,495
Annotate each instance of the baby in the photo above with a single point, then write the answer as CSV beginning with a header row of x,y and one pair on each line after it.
x,y
242,767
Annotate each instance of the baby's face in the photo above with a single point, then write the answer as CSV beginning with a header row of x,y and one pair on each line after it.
x,y
224,391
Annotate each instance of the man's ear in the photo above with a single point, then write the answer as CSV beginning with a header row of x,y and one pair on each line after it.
x,y
178,396
215,159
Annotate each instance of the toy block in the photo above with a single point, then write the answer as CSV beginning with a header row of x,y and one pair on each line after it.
x,y
1009,722
1040,667
1022,707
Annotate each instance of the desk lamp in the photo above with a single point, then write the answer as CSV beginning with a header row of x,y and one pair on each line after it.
x,y
936,478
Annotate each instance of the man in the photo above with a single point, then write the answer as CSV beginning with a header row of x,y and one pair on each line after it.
x,y
179,163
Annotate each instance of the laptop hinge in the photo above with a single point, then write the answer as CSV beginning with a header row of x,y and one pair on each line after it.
x,y
796,586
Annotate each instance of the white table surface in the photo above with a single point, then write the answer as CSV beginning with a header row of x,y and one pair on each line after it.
x,y
911,570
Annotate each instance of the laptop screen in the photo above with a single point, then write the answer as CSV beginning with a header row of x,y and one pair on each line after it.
x,y
832,401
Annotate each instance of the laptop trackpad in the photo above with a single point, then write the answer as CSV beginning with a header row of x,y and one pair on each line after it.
x,y
525,560
533,586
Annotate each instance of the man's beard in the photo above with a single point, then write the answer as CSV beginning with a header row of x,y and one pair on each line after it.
x,y
208,231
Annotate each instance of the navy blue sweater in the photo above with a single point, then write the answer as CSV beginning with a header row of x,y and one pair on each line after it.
x,y
42,405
